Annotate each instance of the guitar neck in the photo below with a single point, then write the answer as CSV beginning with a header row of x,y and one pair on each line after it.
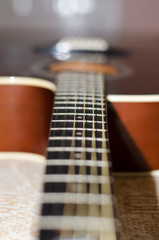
x,y
77,200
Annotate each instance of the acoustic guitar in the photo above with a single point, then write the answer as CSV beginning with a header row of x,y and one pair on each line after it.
x,y
78,200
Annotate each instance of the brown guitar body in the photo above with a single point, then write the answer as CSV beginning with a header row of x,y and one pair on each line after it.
x,y
133,135
25,109
25,118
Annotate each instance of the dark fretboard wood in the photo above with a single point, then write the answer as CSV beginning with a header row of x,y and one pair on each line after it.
x,y
77,199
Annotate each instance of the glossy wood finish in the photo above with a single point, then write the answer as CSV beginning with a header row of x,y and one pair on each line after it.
x,y
134,139
25,118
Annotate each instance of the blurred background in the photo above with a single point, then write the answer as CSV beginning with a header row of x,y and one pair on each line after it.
x,y
52,19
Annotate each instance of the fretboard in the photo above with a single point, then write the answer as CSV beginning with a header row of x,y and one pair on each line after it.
x,y
77,202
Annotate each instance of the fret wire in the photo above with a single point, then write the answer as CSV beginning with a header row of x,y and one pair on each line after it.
x,y
78,102
71,97
74,81
86,108
77,198
88,114
81,94
76,178
73,84
78,138
78,129
77,120
77,149
77,223
69,93
81,162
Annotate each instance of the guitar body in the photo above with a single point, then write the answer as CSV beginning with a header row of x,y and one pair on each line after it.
x,y
133,113
133,124
19,113
79,124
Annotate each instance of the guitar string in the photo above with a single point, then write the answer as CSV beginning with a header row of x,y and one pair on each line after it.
x,y
62,143
103,170
81,209
69,209
92,208
106,210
